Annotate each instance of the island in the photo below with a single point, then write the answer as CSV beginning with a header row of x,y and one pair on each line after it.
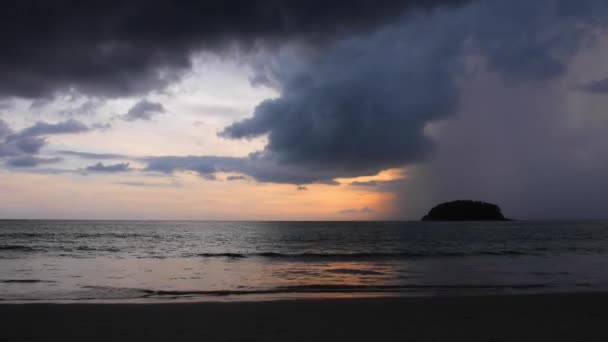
x,y
465,210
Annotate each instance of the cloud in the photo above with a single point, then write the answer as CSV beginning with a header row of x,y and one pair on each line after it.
x,y
594,87
30,140
6,105
101,126
235,178
16,146
88,108
368,183
364,104
301,188
362,88
255,165
388,186
516,146
146,184
364,210
31,161
111,168
117,49
144,110
361,106
90,155
40,128
5,129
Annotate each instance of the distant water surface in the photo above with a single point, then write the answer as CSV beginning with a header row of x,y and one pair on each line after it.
x,y
145,261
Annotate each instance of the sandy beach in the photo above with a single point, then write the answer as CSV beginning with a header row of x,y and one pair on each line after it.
x,y
547,317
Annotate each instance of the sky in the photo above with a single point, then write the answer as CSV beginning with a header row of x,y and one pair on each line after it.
x,y
292,110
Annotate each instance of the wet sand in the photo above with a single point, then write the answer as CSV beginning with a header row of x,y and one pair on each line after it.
x,y
548,317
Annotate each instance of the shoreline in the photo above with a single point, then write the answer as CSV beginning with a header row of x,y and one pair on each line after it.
x,y
504,317
271,296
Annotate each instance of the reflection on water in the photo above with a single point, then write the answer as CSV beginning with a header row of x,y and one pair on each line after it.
x,y
158,261
77,278
260,278
335,273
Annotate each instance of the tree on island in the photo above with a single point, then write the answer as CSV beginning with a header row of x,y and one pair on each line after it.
x,y
465,211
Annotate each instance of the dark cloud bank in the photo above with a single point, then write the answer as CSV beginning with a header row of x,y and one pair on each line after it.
x,y
117,48
360,82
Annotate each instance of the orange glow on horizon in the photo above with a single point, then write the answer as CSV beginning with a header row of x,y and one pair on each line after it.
x,y
187,196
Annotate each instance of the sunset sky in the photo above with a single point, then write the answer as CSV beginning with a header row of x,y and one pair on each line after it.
x,y
272,110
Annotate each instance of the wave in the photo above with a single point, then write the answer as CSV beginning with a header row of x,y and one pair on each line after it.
x,y
24,235
17,248
75,236
111,235
88,250
353,271
222,255
384,288
95,249
25,281
361,255
303,289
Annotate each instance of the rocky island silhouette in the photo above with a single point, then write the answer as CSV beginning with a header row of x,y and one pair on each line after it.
x,y
465,210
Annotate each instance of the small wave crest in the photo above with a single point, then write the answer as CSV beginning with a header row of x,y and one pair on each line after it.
x,y
222,255
17,248
353,271
100,235
361,255
96,249
24,235
25,281
104,292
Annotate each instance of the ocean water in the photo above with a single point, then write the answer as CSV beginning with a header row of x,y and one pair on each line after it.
x,y
152,261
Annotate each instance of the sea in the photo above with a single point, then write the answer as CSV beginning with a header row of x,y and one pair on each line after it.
x,y
175,261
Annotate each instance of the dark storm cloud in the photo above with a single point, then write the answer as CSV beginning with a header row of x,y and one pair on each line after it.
x,y
594,87
110,168
362,105
516,146
120,48
528,40
144,110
